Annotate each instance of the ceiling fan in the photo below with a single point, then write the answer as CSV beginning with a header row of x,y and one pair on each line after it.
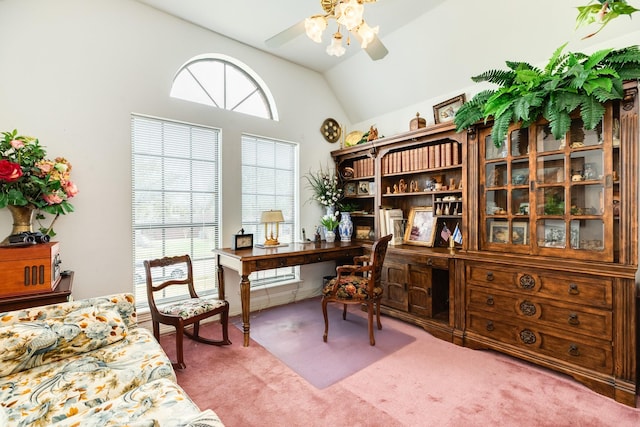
x,y
348,15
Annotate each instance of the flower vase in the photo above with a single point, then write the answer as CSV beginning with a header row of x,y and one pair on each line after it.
x,y
23,217
330,236
330,211
345,227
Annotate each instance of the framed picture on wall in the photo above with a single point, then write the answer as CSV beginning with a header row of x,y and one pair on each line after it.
x,y
445,111
421,226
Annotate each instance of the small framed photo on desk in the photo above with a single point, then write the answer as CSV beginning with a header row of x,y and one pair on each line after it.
x,y
242,241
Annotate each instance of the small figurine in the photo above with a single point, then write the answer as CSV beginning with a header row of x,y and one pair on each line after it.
x,y
373,134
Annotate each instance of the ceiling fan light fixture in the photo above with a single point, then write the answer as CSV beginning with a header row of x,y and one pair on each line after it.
x,y
336,48
367,34
349,13
314,27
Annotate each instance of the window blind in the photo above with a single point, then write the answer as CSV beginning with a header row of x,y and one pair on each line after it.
x,y
269,181
175,199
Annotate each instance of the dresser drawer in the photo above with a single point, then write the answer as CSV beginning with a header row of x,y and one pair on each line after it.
x,y
571,318
573,288
582,351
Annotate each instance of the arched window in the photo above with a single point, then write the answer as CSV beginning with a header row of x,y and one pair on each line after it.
x,y
224,82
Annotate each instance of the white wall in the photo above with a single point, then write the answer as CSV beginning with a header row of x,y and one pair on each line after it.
x,y
71,74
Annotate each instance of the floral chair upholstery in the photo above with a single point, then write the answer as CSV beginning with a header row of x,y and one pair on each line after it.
x,y
186,312
358,284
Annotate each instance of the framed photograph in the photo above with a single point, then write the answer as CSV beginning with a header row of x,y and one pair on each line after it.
x,y
554,234
444,112
421,226
242,241
397,230
362,232
350,189
499,232
372,188
363,188
520,233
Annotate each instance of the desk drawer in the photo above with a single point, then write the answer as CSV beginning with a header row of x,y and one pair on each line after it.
x,y
265,264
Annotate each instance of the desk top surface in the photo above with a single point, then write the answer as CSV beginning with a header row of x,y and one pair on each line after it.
x,y
290,249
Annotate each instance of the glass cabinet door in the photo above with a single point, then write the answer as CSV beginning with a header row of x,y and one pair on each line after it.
x,y
543,195
572,189
505,197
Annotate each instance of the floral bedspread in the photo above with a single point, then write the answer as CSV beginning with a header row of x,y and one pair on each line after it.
x,y
86,363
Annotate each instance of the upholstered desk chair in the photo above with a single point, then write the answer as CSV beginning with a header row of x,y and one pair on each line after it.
x,y
186,312
358,284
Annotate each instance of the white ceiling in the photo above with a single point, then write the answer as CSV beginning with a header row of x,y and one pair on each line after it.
x,y
435,46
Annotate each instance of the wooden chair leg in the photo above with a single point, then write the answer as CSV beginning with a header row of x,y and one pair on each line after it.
x,y
224,321
372,340
179,352
344,312
378,314
326,319
196,329
156,330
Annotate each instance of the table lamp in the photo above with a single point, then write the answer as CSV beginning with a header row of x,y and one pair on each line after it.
x,y
271,220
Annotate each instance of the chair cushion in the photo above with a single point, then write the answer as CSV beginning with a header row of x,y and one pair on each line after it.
x,y
350,287
192,307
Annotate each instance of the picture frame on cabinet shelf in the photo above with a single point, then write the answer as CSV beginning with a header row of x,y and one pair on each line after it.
x,y
363,188
350,189
421,226
520,233
445,111
499,232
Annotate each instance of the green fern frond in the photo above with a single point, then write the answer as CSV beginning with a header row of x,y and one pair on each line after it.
x,y
500,128
556,59
472,111
591,111
566,101
593,60
499,77
523,107
630,71
630,54
559,122
518,65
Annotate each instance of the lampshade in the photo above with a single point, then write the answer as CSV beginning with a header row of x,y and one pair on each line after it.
x,y
336,48
349,13
314,27
367,34
271,216
271,219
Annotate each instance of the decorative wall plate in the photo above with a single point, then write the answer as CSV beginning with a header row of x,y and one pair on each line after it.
x,y
353,138
330,130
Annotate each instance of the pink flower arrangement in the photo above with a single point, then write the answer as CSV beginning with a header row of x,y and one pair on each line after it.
x,y
28,179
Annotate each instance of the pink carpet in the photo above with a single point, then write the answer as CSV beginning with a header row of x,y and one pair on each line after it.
x,y
428,382
293,333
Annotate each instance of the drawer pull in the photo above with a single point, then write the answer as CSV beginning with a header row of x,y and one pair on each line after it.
x,y
490,276
527,336
490,326
429,261
490,300
573,319
573,350
528,308
527,281
283,263
573,289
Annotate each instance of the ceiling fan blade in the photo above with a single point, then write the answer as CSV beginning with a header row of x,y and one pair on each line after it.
x,y
376,49
286,36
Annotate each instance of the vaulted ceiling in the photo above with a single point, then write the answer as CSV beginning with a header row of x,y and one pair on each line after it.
x,y
435,46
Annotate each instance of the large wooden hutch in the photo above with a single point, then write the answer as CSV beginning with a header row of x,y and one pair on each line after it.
x,y
547,265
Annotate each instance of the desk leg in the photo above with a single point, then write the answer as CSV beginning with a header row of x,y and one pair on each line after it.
x,y
246,307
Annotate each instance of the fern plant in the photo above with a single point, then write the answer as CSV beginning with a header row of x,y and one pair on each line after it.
x,y
569,81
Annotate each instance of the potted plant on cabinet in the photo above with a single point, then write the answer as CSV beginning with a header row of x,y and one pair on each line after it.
x,y
569,81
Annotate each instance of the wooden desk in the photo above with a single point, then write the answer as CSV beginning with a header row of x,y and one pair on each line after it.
x,y
246,261
61,293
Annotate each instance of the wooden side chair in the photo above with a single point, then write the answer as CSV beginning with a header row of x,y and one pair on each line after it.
x,y
186,312
358,284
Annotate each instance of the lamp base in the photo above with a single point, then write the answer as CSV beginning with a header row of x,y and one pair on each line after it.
x,y
271,242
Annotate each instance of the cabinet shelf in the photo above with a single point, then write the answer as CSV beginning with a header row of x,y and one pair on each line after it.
x,y
420,171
